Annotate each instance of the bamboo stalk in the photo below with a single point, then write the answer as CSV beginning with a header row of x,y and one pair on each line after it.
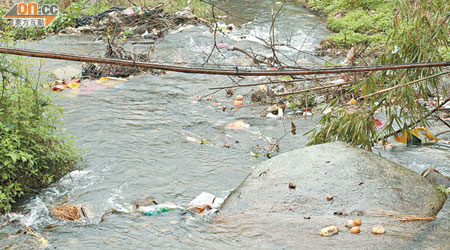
x,y
403,85
314,89
270,82
193,70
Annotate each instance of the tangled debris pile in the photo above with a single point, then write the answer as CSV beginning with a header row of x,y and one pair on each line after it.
x,y
136,21
113,50
131,22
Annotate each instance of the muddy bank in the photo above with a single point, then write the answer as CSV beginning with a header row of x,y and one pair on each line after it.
x,y
362,185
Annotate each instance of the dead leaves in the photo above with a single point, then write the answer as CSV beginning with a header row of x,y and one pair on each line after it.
x,y
67,212
293,129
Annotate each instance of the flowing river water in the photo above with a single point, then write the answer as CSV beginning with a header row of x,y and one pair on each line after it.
x,y
133,137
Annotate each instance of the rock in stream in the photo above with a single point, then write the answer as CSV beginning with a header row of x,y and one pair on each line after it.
x,y
269,214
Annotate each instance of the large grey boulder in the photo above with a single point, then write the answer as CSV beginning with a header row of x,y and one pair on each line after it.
x,y
263,212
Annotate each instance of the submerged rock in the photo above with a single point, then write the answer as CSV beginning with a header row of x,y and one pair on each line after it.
x,y
66,73
363,184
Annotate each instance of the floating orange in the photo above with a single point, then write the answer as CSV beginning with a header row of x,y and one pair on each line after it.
x,y
237,125
357,222
239,98
355,230
238,103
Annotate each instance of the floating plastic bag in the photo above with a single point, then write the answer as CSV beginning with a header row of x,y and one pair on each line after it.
x,y
110,81
73,83
60,86
130,11
157,209
205,201
110,78
415,136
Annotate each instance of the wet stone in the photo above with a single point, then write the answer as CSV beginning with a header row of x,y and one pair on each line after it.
x,y
66,73
263,206
436,235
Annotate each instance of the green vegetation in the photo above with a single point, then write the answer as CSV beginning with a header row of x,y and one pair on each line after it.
x,y
33,152
443,190
417,30
301,101
72,10
355,21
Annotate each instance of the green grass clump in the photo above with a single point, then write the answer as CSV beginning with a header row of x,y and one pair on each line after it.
x,y
347,39
355,21
345,5
361,21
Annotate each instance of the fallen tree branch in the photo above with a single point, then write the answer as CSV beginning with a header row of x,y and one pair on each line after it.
x,y
193,70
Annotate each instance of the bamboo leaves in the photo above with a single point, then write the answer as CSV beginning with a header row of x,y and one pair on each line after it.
x,y
417,31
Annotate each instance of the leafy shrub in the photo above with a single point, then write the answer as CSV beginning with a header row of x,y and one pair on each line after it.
x,y
33,152
68,18
419,34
